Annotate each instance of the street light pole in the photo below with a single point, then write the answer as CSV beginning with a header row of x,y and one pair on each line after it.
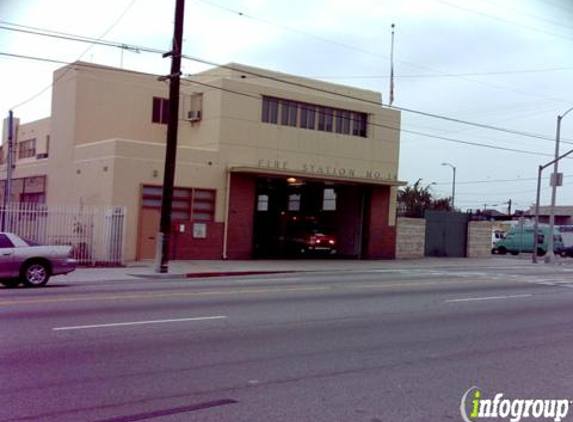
x,y
536,225
453,183
550,256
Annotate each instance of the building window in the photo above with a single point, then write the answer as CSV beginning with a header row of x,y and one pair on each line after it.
x,y
27,148
289,111
359,124
160,113
270,110
188,204
307,116
314,117
181,204
35,198
263,203
325,119
294,202
203,205
329,200
345,121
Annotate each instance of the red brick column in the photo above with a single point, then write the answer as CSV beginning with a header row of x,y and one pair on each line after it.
x,y
381,236
241,216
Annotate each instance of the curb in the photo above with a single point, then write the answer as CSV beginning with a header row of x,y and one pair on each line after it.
x,y
212,274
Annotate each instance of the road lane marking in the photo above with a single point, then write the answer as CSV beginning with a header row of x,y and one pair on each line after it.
x,y
477,299
244,291
126,324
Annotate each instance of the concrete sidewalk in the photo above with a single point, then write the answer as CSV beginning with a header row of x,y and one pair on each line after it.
x,y
219,268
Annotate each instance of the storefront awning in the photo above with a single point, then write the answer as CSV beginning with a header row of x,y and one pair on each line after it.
x,y
370,178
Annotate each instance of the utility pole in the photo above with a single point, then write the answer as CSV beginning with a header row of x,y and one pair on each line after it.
x,y
164,235
556,180
9,169
509,207
391,93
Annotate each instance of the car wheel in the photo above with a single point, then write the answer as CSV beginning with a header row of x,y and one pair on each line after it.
x,y
501,250
11,283
35,274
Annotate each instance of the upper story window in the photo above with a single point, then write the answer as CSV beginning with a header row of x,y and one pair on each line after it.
x,y
289,113
160,112
325,119
307,116
270,110
27,148
314,117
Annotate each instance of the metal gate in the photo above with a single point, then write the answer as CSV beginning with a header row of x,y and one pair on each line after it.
x,y
446,233
96,233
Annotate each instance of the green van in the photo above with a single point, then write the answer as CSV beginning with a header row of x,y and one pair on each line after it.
x,y
520,239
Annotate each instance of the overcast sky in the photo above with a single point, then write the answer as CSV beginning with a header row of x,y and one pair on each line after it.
x,y
503,63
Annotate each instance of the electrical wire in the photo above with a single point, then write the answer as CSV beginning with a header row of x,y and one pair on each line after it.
x,y
258,98
398,129
113,25
505,88
283,80
497,18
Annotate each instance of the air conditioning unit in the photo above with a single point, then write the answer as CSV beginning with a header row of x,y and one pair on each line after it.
x,y
194,115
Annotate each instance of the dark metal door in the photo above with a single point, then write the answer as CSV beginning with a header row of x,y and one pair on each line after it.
x,y
446,233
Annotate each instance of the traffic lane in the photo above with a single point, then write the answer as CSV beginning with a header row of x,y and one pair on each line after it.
x,y
29,320
167,370
171,365
415,270
312,281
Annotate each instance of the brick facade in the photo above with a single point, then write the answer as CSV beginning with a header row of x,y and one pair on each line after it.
x,y
380,240
185,246
241,216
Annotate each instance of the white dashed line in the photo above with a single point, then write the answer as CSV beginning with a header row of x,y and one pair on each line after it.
x,y
476,299
126,324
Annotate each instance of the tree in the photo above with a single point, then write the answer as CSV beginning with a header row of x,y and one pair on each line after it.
x,y
414,200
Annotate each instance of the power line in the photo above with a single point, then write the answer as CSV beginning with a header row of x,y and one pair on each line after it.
x,y
443,138
351,97
113,25
497,18
256,97
244,15
449,75
529,15
281,80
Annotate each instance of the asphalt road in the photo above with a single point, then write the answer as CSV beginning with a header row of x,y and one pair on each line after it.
x,y
387,345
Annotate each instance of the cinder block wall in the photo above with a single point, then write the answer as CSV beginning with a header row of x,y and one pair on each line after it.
x,y
479,239
410,237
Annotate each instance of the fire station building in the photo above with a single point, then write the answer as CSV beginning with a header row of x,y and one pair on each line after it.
x,y
261,156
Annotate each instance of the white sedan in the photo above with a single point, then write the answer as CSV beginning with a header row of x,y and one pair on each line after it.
x,y
27,262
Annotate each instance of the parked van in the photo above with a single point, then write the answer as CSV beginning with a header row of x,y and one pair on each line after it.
x,y
520,239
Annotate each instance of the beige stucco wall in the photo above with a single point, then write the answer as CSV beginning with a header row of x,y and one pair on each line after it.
x,y
245,141
28,166
410,237
479,239
104,146
131,164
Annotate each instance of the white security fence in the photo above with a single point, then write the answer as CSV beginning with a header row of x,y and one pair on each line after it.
x,y
96,233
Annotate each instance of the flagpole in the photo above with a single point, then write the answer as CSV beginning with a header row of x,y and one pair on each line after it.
x,y
391,94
